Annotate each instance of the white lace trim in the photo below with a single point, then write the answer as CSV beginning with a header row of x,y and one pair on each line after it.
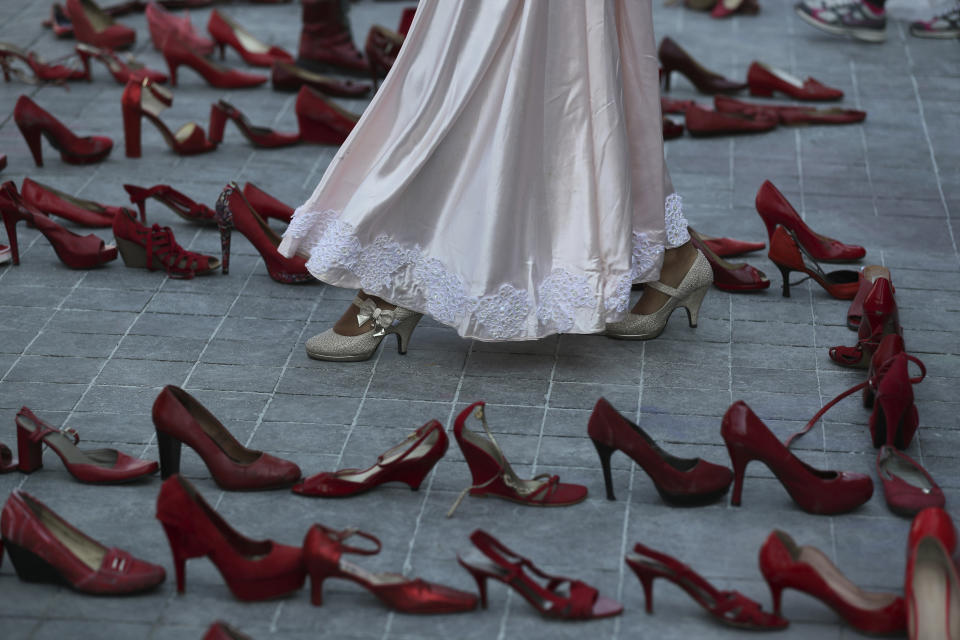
x,y
675,222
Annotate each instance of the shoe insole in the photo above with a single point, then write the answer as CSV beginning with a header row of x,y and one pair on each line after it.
x,y
840,583
521,486
895,466
936,595
366,577
783,75
67,450
88,551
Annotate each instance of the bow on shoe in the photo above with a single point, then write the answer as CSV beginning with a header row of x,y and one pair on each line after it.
x,y
382,318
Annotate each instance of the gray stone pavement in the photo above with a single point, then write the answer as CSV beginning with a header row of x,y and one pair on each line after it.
x,y
91,349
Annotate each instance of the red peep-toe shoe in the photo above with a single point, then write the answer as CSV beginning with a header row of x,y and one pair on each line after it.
x,y
323,550
94,26
42,70
879,318
155,248
553,596
227,31
77,252
265,137
776,211
146,99
931,585
34,122
265,204
764,80
678,480
907,487
321,121
52,202
177,54
46,548
164,25
408,462
728,276
732,608
785,565
868,277
789,255
234,212
123,71
253,569
287,76
181,204
814,491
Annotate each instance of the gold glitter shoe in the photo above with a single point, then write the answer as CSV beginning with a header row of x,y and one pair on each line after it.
x,y
335,347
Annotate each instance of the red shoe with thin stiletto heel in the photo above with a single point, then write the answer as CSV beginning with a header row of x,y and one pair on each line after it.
x,y
737,277
180,204
123,71
265,204
145,99
408,462
177,54
931,585
94,26
264,137
789,255
226,31
164,25
321,121
52,202
253,569
674,58
878,318
34,122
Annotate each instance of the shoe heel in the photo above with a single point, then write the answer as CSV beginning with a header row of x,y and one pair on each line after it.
x,y
182,547
32,135
761,92
30,567
316,588
169,448
776,593
740,458
413,476
646,581
29,452
11,226
481,579
692,304
604,452
218,120
223,50
666,79
785,274
225,224
132,254
131,132
403,331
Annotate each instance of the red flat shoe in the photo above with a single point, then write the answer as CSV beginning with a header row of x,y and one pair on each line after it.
x,y
678,107
222,631
705,122
787,253
42,70
323,550
7,462
287,76
321,121
226,31
674,58
868,276
177,54
493,475
764,80
879,318
671,129
907,487
180,204
258,136
791,115
408,462
727,276
145,99
180,419
815,491
732,608
729,248
553,596
931,586
93,26
164,25
52,202
727,8
34,122
785,565
234,212
265,204
683,481
155,248
253,569
46,548
122,71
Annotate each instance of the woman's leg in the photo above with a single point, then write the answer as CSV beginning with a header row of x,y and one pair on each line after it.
x,y
347,324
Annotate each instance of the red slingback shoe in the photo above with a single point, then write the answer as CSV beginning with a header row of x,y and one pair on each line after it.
x,y
409,462
323,550
155,248
727,276
868,276
814,491
179,203
57,203
123,71
321,121
96,27
785,565
180,419
677,480
553,596
34,122
164,25
77,252
879,318
732,608
931,585
42,70
287,76
775,211
258,136
234,212
265,204
145,99
97,466
46,548
907,487
177,54
789,255
253,569
227,31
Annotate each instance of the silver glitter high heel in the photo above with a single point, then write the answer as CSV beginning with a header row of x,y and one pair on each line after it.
x,y
332,346
689,295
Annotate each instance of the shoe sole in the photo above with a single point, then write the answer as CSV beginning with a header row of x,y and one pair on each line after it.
x,y
860,34
352,358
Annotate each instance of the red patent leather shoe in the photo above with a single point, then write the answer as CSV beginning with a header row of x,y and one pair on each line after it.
x,y
179,203
408,462
493,475
889,390
727,276
326,43
868,276
52,202
705,122
321,121
671,129
764,80
933,522
145,99
879,318
265,204
42,70
729,248
263,137
791,115
76,252
815,491
164,25
323,550
787,253
382,47
155,248
727,8
46,548
785,565
775,211
34,122
287,76
93,26
678,480
176,55
907,487
123,71
253,569
931,586
553,596
220,630
180,419
234,212
226,31
732,608
674,58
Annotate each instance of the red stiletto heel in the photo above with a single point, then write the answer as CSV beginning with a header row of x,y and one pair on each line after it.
x,y
147,99
674,58
122,71
787,253
177,54
879,318
226,31
321,121
258,136
180,204
34,122
265,204
57,203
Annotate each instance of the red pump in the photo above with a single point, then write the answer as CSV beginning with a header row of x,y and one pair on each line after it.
x,y
34,122
788,254
146,99
177,54
265,204
52,202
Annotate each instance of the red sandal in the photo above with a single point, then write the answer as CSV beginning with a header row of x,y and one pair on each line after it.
x,y
155,248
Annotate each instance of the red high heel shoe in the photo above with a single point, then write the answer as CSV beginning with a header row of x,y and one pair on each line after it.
x,y
931,586
52,202
879,318
730,248
34,122
42,70
122,71
907,487
180,419
788,254
775,210
320,120
180,204
258,136
814,491
382,47
234,212
287,76
226,31
46,548
323,550
99,466
868,276
677,480
93,26
155,248
764,80
164,26
77,252
785,565
727,276
177,54
552,596
145,99
265,204
729,607
253,569
674,58
409,462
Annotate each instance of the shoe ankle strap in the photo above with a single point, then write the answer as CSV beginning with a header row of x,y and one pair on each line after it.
x,y
43,429
663,288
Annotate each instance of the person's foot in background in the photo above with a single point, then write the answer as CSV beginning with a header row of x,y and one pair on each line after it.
x,y
945,25
863,19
